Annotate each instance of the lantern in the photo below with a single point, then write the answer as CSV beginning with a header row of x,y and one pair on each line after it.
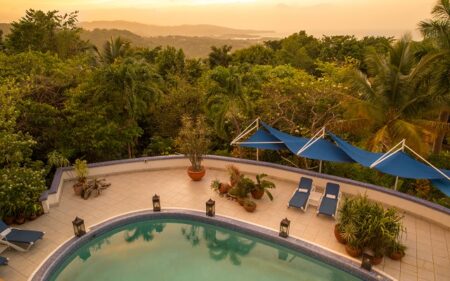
x,y
210,208
78,227
366,261
284,228
156,203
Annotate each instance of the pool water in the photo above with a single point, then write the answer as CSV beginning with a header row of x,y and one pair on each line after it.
x,y
183,250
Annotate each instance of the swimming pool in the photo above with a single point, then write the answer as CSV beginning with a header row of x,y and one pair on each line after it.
x,y
182,247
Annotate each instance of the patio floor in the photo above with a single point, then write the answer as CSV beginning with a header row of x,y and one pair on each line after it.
x,y
427,256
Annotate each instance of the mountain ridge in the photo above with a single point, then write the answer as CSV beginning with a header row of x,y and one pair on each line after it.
x,y
187,30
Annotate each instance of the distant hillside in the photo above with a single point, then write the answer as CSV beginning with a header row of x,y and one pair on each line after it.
x,y
199,30
192,46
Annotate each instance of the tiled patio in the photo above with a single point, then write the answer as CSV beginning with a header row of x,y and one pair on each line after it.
x,y
427,257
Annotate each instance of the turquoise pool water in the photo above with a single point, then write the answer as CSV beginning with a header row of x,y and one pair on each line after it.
x,y
181,250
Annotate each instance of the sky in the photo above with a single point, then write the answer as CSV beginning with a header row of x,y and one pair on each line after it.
x,y
358,17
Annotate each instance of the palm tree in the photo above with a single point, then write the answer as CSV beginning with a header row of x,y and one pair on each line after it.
x,y
392,99
113,49
226,99
438,30
144,231
233,247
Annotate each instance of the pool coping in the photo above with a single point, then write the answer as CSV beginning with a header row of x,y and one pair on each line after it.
x,y
55,259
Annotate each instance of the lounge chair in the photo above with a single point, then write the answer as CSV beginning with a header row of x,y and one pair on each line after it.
x,y
3,261
300,197
20,240
329,200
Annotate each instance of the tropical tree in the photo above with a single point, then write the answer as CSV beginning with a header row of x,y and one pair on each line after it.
x,y
40,31
113,49
438,30
219,56
391,100
226,98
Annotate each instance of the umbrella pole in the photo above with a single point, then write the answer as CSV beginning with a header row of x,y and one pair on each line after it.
x,y
320,166
257,150
396,182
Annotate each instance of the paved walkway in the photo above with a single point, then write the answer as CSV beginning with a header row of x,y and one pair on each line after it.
x,y
427,256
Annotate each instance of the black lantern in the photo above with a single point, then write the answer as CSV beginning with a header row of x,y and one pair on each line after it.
x,y
210,208
284,228
366,261
156,203
78,227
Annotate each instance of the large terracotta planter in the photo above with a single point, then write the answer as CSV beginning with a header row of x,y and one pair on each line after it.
x,y
353,252
258,194
20,219
196,175
338,235
397,256
376,260
9,220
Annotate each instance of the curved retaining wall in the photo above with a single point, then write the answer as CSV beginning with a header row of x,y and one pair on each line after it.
x,y
413,205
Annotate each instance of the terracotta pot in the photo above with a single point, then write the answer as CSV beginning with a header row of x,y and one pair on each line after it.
x,y
397,256
20,219
250,208
196,176
9,220
352,251
376,260
78,188
258,193
224,188
338,235
32,217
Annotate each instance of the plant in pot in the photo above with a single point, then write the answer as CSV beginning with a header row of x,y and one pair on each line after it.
x,y
193,142
242,189
220,187
249,205
9,211
395,250
262,187
354,245
33,211
235,175
81,169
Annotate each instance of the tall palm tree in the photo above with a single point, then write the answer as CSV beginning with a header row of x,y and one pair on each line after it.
x,y
392,98
438,30
113,49
226,99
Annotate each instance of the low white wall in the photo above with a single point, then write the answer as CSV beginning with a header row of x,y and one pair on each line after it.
x,y
116,167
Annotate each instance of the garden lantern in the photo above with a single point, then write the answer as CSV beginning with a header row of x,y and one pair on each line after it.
x,y
156,203
78,227
284,228
366,261
210,208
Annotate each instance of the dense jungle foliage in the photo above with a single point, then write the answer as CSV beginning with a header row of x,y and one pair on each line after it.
x,y
63,98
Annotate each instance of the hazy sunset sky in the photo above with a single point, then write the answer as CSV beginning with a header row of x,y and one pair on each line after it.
x,y
381,17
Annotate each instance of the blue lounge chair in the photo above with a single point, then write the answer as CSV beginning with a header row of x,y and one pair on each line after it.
x,y
329,200
3,261
18,239
300,197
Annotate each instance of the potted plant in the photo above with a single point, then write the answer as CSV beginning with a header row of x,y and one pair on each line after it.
x,y
249,205
262,186
9,213
81,169
338,234
235,175
396,250
354,244
193,142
